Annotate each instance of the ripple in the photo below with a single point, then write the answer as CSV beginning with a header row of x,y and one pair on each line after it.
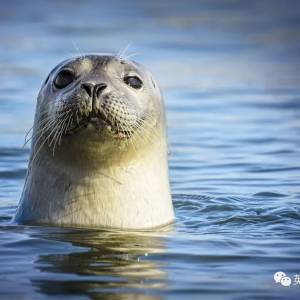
x,y
269,194
13,152
13,174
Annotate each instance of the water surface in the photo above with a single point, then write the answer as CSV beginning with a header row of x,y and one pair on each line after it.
x,y
230,75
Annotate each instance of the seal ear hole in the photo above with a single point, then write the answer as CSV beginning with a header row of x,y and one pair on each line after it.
x,y
133,81
63,79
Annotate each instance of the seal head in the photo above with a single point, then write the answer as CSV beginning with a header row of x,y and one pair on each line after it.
x,y
99,128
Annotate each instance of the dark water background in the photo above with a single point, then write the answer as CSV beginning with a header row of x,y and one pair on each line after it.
x,y
230,72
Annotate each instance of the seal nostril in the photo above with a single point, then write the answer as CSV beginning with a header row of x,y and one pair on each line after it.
x,y
99,88
89,88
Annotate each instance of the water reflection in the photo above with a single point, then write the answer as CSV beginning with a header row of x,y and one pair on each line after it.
x,y
109,260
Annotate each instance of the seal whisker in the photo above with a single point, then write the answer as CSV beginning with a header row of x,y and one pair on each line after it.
x,y
45,140
143,135
132,55
64,126
123,51
26,140
68,123
52,135
77,49
40,133
44,124
26,135
56,137
59,128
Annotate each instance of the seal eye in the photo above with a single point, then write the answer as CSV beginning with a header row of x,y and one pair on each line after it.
x,y
133,81
64,78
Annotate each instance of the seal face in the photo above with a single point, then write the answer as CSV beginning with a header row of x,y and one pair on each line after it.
x,y
99,128
110,95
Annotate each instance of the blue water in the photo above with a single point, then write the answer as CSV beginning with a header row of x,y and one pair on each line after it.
x,y
230,75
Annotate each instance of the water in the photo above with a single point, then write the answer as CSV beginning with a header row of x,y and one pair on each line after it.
x,y
230,75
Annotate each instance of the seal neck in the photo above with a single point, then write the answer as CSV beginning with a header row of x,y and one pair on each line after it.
x,y
134,194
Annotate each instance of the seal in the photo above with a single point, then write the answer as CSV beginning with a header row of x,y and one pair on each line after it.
x,y
98,148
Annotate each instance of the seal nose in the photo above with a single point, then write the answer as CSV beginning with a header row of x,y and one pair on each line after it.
x,y
88,87
94,89
99,88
